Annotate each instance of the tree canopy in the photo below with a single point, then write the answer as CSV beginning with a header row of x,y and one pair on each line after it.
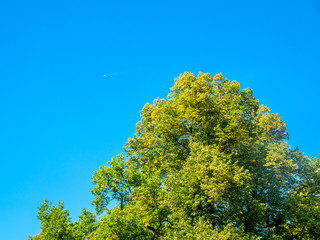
x,y
207,162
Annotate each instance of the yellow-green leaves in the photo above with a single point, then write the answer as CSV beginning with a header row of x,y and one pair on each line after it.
x,y
111,182
208,162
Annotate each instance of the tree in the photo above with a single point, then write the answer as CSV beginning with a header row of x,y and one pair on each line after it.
x,y
56,223
208,162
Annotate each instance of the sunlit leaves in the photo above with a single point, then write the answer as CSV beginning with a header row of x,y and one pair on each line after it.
x,y
208,162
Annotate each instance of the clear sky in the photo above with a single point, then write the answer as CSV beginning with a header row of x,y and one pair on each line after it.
x,y
61,118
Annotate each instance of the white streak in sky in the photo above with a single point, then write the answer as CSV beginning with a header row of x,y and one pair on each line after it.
x,y
112,74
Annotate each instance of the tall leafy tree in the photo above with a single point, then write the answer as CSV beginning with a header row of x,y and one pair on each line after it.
x,y
207,162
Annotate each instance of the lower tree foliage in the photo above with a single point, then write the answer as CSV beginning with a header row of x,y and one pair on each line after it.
x,y
208,162
56,223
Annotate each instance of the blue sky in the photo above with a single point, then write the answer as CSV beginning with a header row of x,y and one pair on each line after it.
x,y
61,118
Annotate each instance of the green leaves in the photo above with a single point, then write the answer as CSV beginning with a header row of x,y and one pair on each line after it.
x,y
121,224
56,223
111,183
208,162
85,225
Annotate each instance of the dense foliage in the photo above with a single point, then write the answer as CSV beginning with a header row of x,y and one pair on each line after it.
x,y
208,162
